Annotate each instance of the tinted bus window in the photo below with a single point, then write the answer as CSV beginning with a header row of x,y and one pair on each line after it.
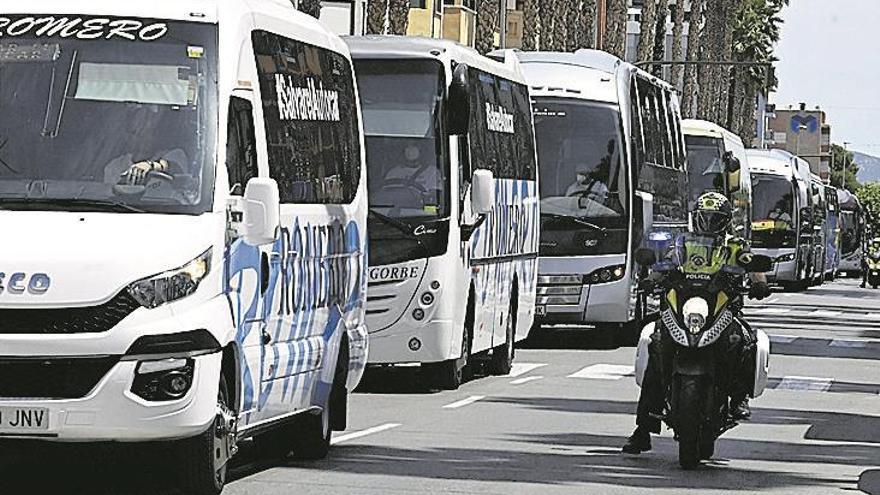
x,y
501,132
311,118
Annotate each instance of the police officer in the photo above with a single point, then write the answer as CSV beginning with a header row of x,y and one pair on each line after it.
x,y
711,219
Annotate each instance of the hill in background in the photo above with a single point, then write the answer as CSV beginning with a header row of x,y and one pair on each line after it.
x,y
869,167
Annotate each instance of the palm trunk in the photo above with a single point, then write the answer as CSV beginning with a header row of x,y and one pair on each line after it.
x,y
646,31
659,52
588,23
615,30
487,17
731,8
573,25
398,16
690,90
548,15
311,7
530,25
560,25
377,14
711,47
677,37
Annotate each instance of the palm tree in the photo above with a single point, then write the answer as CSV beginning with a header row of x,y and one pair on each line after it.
x,y
659,51
530,25
646,31
487,20
711,40
560,25
677,36
615,28
377,14
311,7
690,91
587,24
548,15
398,16
573,25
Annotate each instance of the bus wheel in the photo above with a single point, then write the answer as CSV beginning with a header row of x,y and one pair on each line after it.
x,y
203,459
502,356
450,374
313,431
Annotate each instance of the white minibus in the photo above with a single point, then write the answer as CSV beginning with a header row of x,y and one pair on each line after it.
x,y
184,200
453,205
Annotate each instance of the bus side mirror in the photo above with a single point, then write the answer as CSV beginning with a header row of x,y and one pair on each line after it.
x,y
760,264
731,163
645,257
458,102
483,192
261,211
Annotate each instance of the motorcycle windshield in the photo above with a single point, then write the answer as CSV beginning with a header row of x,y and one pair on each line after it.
x,y
701,257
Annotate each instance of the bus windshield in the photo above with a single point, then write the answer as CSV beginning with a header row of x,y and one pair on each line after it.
x,y
579,156
705,165
113,124
773,223
400,100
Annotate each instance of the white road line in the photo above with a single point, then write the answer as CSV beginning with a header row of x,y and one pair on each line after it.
x,y
783,339
849,344
872,316
604,372
369,431
770,311
805,383
520,381
520,369
464,402
824,313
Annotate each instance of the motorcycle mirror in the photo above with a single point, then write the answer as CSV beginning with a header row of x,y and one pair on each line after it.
x,y
760,264
645,257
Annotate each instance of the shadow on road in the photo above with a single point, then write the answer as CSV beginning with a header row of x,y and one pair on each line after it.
x,y
579,339
804,346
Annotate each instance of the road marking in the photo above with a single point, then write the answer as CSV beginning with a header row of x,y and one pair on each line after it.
x,y
358,434
783,339
604,372
520,381
848,344
770,311
464,402
872,316
520,369
805,384
824,313
771,300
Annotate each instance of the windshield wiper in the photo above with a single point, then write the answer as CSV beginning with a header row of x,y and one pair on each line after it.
x,y
577,220
72,202
400,225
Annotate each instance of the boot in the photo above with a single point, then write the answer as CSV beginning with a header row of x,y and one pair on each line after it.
x,y
639,442
739,409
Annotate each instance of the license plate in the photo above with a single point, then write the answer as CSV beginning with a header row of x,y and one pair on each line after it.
x,y
23,419
540,310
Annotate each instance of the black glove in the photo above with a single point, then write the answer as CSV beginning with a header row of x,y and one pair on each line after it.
x,y
759,290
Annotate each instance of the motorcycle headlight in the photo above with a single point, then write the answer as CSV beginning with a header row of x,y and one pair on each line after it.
x,y
695,312
172,285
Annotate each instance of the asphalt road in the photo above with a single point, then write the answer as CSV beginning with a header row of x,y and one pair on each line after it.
x,y
556,425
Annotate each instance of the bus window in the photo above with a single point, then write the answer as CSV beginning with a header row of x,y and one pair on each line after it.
x,y
312,128
241,147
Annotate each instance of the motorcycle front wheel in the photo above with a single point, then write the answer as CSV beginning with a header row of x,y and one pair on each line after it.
x,y
692,395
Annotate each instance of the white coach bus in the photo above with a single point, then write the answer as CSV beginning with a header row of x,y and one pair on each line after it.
x,y
613,176
453,205
183,191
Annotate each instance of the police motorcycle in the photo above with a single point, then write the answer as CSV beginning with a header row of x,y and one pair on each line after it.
x,y
700,315
872,263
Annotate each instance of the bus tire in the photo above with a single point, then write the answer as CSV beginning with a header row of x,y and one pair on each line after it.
x,y
450,374
503,355
201,463
311,440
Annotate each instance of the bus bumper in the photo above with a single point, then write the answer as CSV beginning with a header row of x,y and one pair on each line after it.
x,y
111,412
432,342
560,302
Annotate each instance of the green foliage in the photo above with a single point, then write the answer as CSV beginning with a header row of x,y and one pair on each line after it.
x,y
843,157
869,196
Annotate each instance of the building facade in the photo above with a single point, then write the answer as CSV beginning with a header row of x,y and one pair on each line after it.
x,y
805,133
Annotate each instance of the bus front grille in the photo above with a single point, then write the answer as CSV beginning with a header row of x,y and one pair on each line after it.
x,y
52,378
560,290
93,319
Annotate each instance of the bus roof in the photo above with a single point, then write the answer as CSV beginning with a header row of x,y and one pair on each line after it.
x,y
704,128
848,200
584,74
403,47
767,162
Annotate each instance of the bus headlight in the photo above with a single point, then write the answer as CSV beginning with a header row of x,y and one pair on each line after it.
x,y
172,285
606,274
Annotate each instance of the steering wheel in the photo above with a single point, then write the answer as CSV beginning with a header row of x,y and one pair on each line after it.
x,y
157,174
409,183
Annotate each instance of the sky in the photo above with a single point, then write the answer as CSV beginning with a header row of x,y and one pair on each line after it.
x,y
829,55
